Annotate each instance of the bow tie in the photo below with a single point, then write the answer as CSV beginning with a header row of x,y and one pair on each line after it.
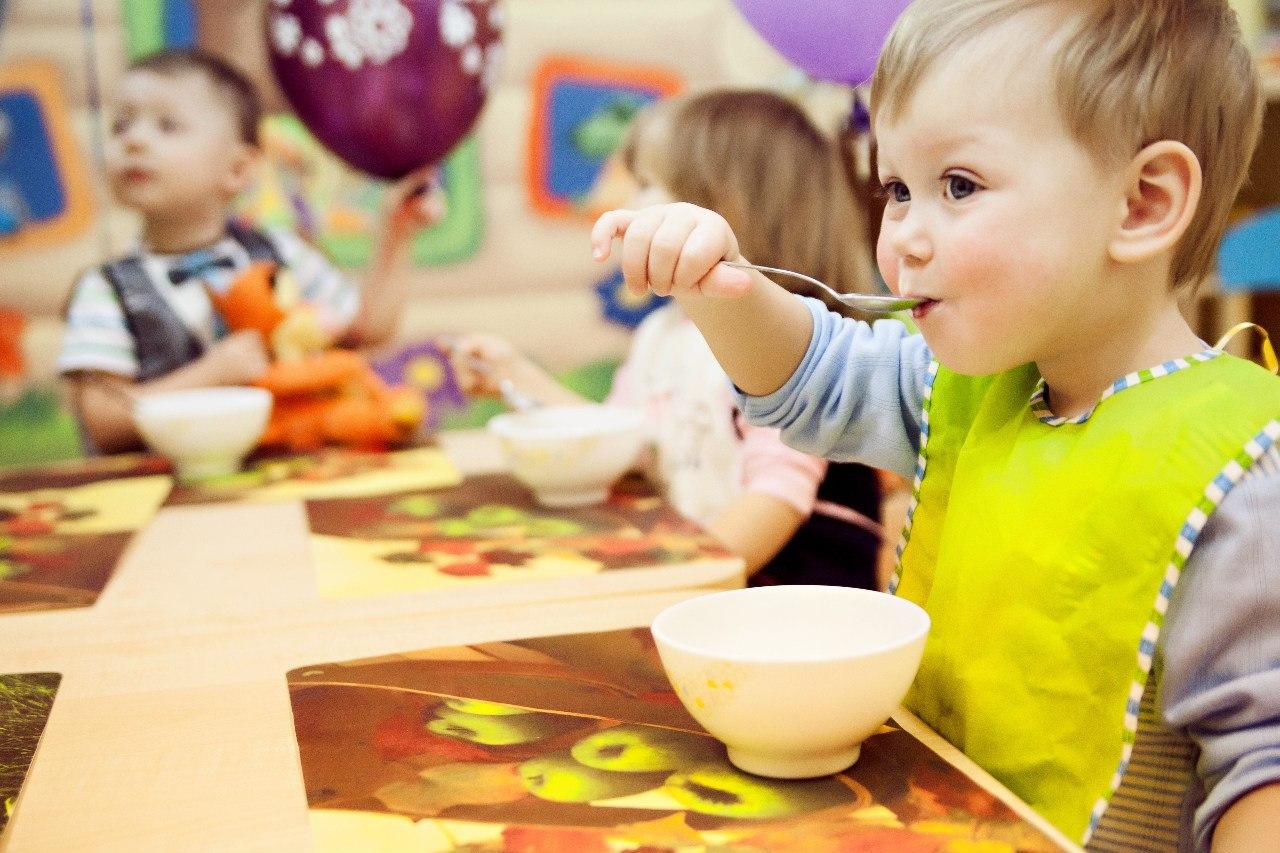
x,y
197,264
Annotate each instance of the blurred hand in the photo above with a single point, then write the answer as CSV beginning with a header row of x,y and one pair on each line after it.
x,y
238,359
415,202
673,249
481,362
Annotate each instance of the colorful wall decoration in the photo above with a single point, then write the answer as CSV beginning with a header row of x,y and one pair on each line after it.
x,y
305,188
45,197
1247,259
152,25
623,306
458,236
582,107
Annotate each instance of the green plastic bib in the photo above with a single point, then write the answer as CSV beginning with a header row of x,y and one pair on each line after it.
x,y
1045,555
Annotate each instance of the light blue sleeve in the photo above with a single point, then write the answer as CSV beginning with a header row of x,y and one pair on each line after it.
x,y
1221,646
856,397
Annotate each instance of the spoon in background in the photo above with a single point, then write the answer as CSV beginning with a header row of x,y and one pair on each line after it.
x,y
512,396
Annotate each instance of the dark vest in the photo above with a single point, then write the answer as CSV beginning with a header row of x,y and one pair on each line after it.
x,y
163,341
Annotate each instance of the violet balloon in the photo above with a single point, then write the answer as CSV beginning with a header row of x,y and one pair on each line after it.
x,y
388,85
837,40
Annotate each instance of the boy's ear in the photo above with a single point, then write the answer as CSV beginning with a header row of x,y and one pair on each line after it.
x,y
244,165
1162,188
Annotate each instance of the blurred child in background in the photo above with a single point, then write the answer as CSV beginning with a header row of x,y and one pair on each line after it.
x,y
756,158
182,145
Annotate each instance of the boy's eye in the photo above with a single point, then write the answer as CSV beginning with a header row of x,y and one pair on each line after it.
x,y
168,125
896,191
959,187
118,126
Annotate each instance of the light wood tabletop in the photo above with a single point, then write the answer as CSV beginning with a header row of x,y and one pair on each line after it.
x,y
172,728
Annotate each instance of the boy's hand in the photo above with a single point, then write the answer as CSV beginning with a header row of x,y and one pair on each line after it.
x,y
673,249
410,205
481,362
238,359
415,202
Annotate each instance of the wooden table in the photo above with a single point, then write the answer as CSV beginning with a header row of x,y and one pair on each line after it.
x,y
172,729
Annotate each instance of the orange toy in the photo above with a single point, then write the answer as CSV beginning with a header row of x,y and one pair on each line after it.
x,y
322,395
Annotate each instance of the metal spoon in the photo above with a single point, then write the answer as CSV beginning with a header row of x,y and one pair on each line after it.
x,y
512,396
861,301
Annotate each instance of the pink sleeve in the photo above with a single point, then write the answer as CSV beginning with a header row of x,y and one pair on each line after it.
x,y
623,391
770,467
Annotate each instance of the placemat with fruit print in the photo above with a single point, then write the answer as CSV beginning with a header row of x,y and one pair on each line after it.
x,y
26,701
64,528
488,529
578,744
331,473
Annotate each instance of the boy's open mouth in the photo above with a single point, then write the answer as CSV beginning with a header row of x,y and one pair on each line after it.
x,y
922,310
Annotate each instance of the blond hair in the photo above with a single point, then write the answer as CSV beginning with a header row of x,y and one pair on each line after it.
x,y
755,158
1128,73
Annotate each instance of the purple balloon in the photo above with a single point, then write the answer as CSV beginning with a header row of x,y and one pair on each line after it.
x,y
837,40
388,85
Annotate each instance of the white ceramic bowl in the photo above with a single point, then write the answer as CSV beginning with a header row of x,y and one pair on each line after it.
x,y
570,455
792,678
205,431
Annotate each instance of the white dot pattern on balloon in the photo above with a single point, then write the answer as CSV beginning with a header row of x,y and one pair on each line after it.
x,y
312,53
286,33
478,53
380,28
457,25
472,59
341,42
377,31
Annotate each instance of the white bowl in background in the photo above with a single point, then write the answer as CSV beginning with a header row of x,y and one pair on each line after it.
x,y
205,431
570,455
792,678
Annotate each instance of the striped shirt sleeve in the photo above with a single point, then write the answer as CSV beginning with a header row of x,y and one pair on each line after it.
x,y
333,295
1222,650
96,336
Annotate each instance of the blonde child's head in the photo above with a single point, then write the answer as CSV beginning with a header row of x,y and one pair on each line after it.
x,y
183,134
755,158
1126,73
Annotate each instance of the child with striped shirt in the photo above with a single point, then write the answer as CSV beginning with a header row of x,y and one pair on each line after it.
x,y
182,145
